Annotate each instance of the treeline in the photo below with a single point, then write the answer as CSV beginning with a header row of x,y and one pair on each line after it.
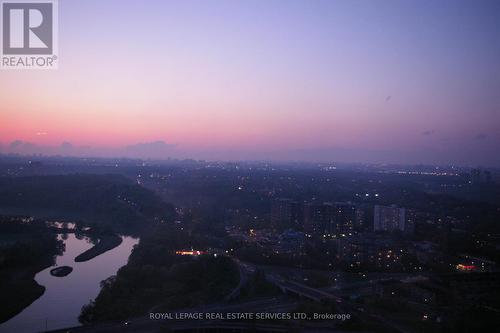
x,y
100,199
21,225
26,242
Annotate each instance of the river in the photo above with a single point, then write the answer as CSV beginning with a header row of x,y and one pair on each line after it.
x,y
64,297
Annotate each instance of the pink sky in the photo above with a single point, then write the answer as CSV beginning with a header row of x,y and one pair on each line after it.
x,y
261,80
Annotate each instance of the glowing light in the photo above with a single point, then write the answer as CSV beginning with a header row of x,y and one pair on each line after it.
x,y
190,252
467,268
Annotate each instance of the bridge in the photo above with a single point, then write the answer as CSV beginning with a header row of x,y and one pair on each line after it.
x,y
302,290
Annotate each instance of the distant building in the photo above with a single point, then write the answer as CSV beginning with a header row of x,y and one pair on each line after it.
x,y
370,250
318,218
410,221
315,218
286,213
354,250
478,176
389,218
329,218
344,217
360,219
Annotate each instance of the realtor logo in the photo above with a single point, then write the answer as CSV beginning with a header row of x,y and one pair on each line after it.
x,y
29,34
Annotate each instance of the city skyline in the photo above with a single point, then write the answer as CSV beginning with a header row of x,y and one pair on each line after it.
x,y
383,82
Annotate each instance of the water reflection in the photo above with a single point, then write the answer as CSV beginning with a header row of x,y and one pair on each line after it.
x,y
64,297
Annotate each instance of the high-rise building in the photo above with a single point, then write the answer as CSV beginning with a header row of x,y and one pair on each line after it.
x,y
360,219
329,218
286,213
318,218
344,217
410,221
389,218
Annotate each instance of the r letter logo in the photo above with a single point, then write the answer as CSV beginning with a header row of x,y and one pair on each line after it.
x,y
29,34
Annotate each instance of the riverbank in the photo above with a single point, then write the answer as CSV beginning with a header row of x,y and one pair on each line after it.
x,y
31,249
106,243
19,289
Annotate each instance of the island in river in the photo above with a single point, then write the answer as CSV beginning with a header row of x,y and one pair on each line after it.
x,y
61,271
105,243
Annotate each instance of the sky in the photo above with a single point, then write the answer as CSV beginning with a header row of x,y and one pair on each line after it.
x,y
353,81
